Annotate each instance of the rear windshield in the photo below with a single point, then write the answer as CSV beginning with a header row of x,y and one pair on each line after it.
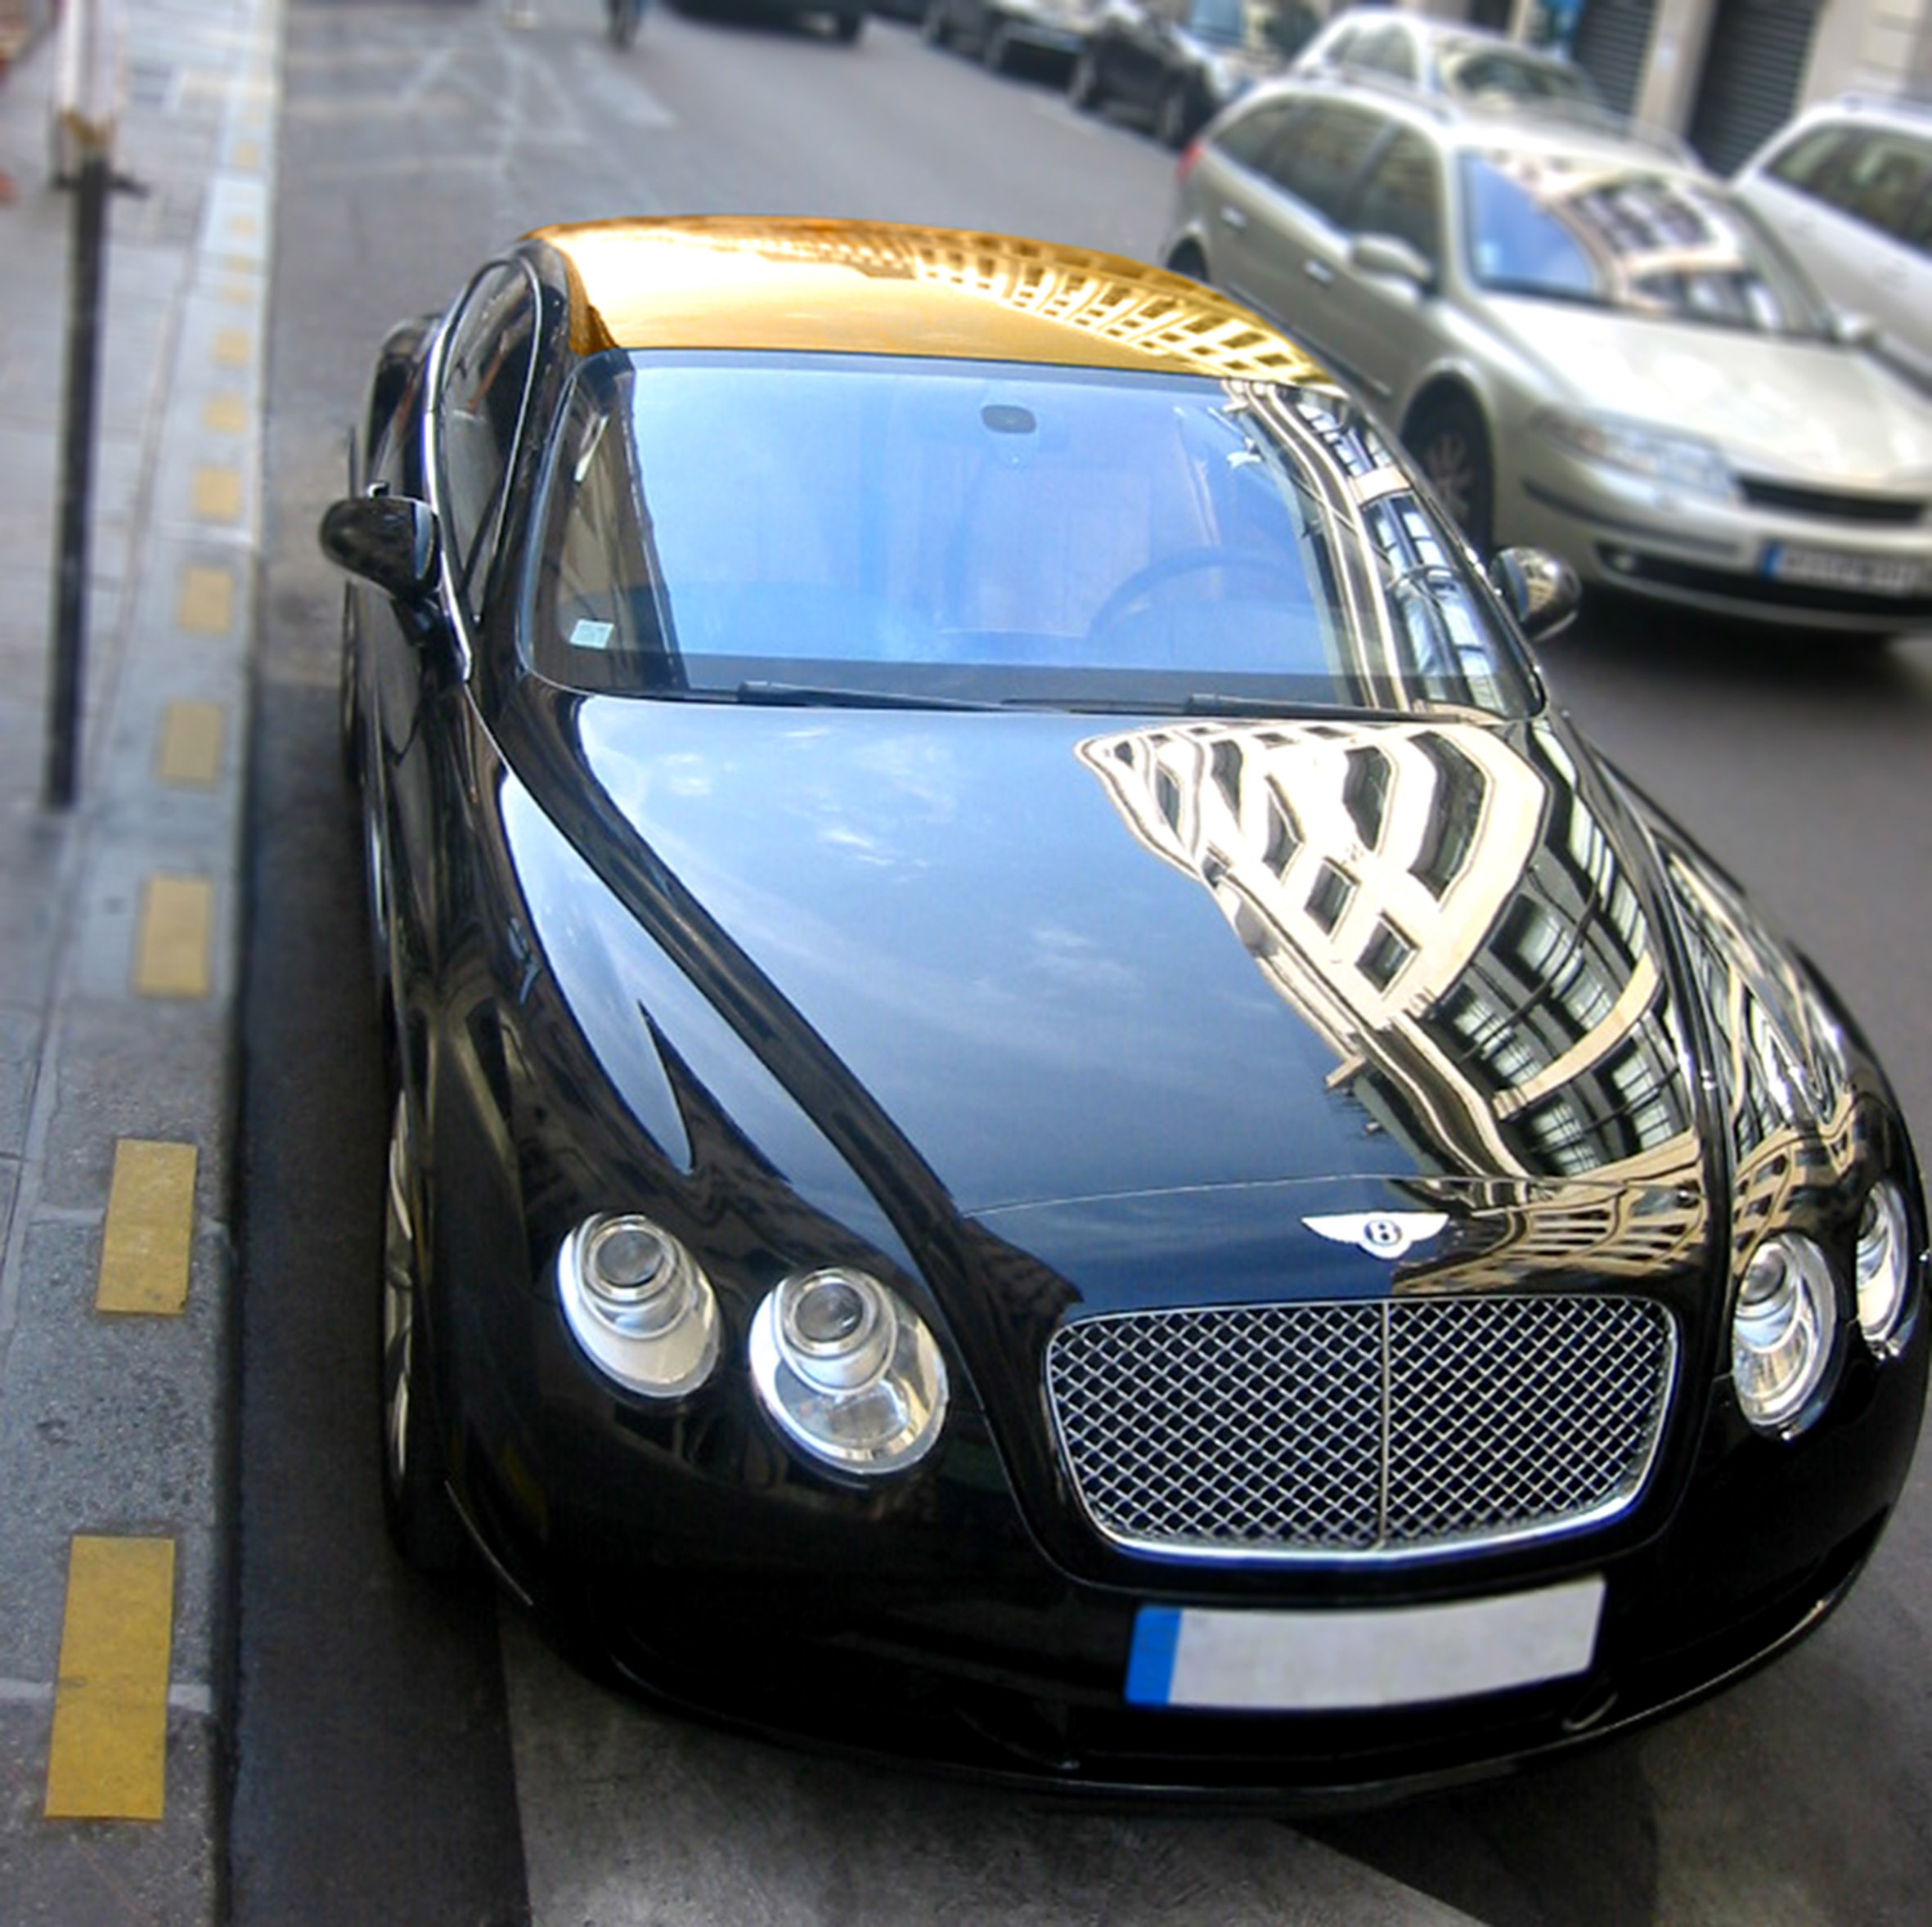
x,y
731,526
1660,245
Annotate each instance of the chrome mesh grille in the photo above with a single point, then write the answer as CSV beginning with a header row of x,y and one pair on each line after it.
x,y
1338,1428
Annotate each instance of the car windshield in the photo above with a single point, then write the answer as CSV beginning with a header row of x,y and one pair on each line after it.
x,y
1649,242
878,529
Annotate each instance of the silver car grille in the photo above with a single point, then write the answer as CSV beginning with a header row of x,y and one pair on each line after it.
x,y
1318,1430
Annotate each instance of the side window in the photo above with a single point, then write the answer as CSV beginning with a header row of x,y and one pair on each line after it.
x,y
1386,51
1809,163
1885,182
1403,196
1250,137
1324,151
486,375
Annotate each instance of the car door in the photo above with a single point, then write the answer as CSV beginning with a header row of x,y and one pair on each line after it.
x,y
1875,234
477,416
1386,322
1294,239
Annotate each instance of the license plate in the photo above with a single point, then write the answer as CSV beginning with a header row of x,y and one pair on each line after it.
x,y
1330,1662
1832,568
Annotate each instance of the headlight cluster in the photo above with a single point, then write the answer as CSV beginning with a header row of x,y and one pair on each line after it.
x,y
1678,461
846,1368
1786,1321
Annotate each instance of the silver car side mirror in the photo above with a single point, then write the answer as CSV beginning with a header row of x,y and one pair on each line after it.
x,y
1389,254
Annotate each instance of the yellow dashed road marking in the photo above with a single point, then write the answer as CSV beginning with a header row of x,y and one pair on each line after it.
x,y
190,752
217,494
226,415
206,605
146,1251
109,1758
245,157
232,347
171,938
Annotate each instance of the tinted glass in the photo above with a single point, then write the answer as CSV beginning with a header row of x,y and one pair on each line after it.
x,y
1218,19
486,374
935,531
1249,137
1474,70
1318,161
1385,51
1809,163
1665,245
1884,180
1403,196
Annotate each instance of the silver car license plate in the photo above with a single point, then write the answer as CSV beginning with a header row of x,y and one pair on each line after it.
x,y
1832,568
1229,1660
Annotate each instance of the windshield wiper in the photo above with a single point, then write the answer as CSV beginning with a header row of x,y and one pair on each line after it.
x,y
1214,702
809,695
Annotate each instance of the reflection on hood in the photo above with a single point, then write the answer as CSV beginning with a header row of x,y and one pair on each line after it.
x,y
1447,913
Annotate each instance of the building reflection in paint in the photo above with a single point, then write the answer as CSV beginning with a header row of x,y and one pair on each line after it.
x,y
1438,902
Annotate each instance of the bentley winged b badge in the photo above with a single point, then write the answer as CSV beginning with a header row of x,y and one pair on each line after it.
x,y
1381,1234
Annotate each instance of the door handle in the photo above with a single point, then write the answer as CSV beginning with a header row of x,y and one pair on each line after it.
x,y
1235,218
1319,273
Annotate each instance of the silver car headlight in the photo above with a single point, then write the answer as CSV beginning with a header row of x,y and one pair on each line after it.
x,y
639,1304
1680,461
1884,1264
848,1370
1781,1330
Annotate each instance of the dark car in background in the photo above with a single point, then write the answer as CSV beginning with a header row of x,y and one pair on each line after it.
x,y
1178,62
1005,32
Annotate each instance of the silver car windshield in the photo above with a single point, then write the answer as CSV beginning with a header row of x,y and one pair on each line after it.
x,y
733,526
1656,245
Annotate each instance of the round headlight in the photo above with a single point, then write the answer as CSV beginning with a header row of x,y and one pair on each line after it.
x,y
1883,1262
848,1370
640,1304
1782,1332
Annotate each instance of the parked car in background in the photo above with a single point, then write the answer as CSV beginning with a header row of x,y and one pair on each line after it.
x,y
1044,1119
1467,64
1179,62
1006,32
1848,187
844,19
1589,345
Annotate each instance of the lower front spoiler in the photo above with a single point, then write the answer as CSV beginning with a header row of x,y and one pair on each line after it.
x,y
871,1697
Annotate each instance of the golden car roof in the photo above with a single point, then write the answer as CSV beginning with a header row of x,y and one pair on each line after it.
x,y
874,288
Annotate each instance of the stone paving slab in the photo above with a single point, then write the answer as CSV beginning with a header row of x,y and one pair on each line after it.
x,y
113,1425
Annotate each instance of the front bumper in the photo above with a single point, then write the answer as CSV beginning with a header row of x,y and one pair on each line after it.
x,y
1771,566
926,1624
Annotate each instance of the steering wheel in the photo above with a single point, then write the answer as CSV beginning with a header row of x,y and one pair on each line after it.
x,y
1285,569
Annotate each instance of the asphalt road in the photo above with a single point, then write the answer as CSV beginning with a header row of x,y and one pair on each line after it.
x,y
402,1756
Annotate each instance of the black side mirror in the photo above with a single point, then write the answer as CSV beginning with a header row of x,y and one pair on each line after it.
x,y
389,540
1543,590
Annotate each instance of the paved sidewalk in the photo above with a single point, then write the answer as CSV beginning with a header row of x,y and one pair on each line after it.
x,y
119,975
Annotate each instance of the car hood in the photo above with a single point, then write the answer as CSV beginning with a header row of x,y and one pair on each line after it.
x,y
1811,409
1070,962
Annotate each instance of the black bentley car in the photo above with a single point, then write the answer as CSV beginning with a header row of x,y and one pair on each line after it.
x,y
1045,1119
